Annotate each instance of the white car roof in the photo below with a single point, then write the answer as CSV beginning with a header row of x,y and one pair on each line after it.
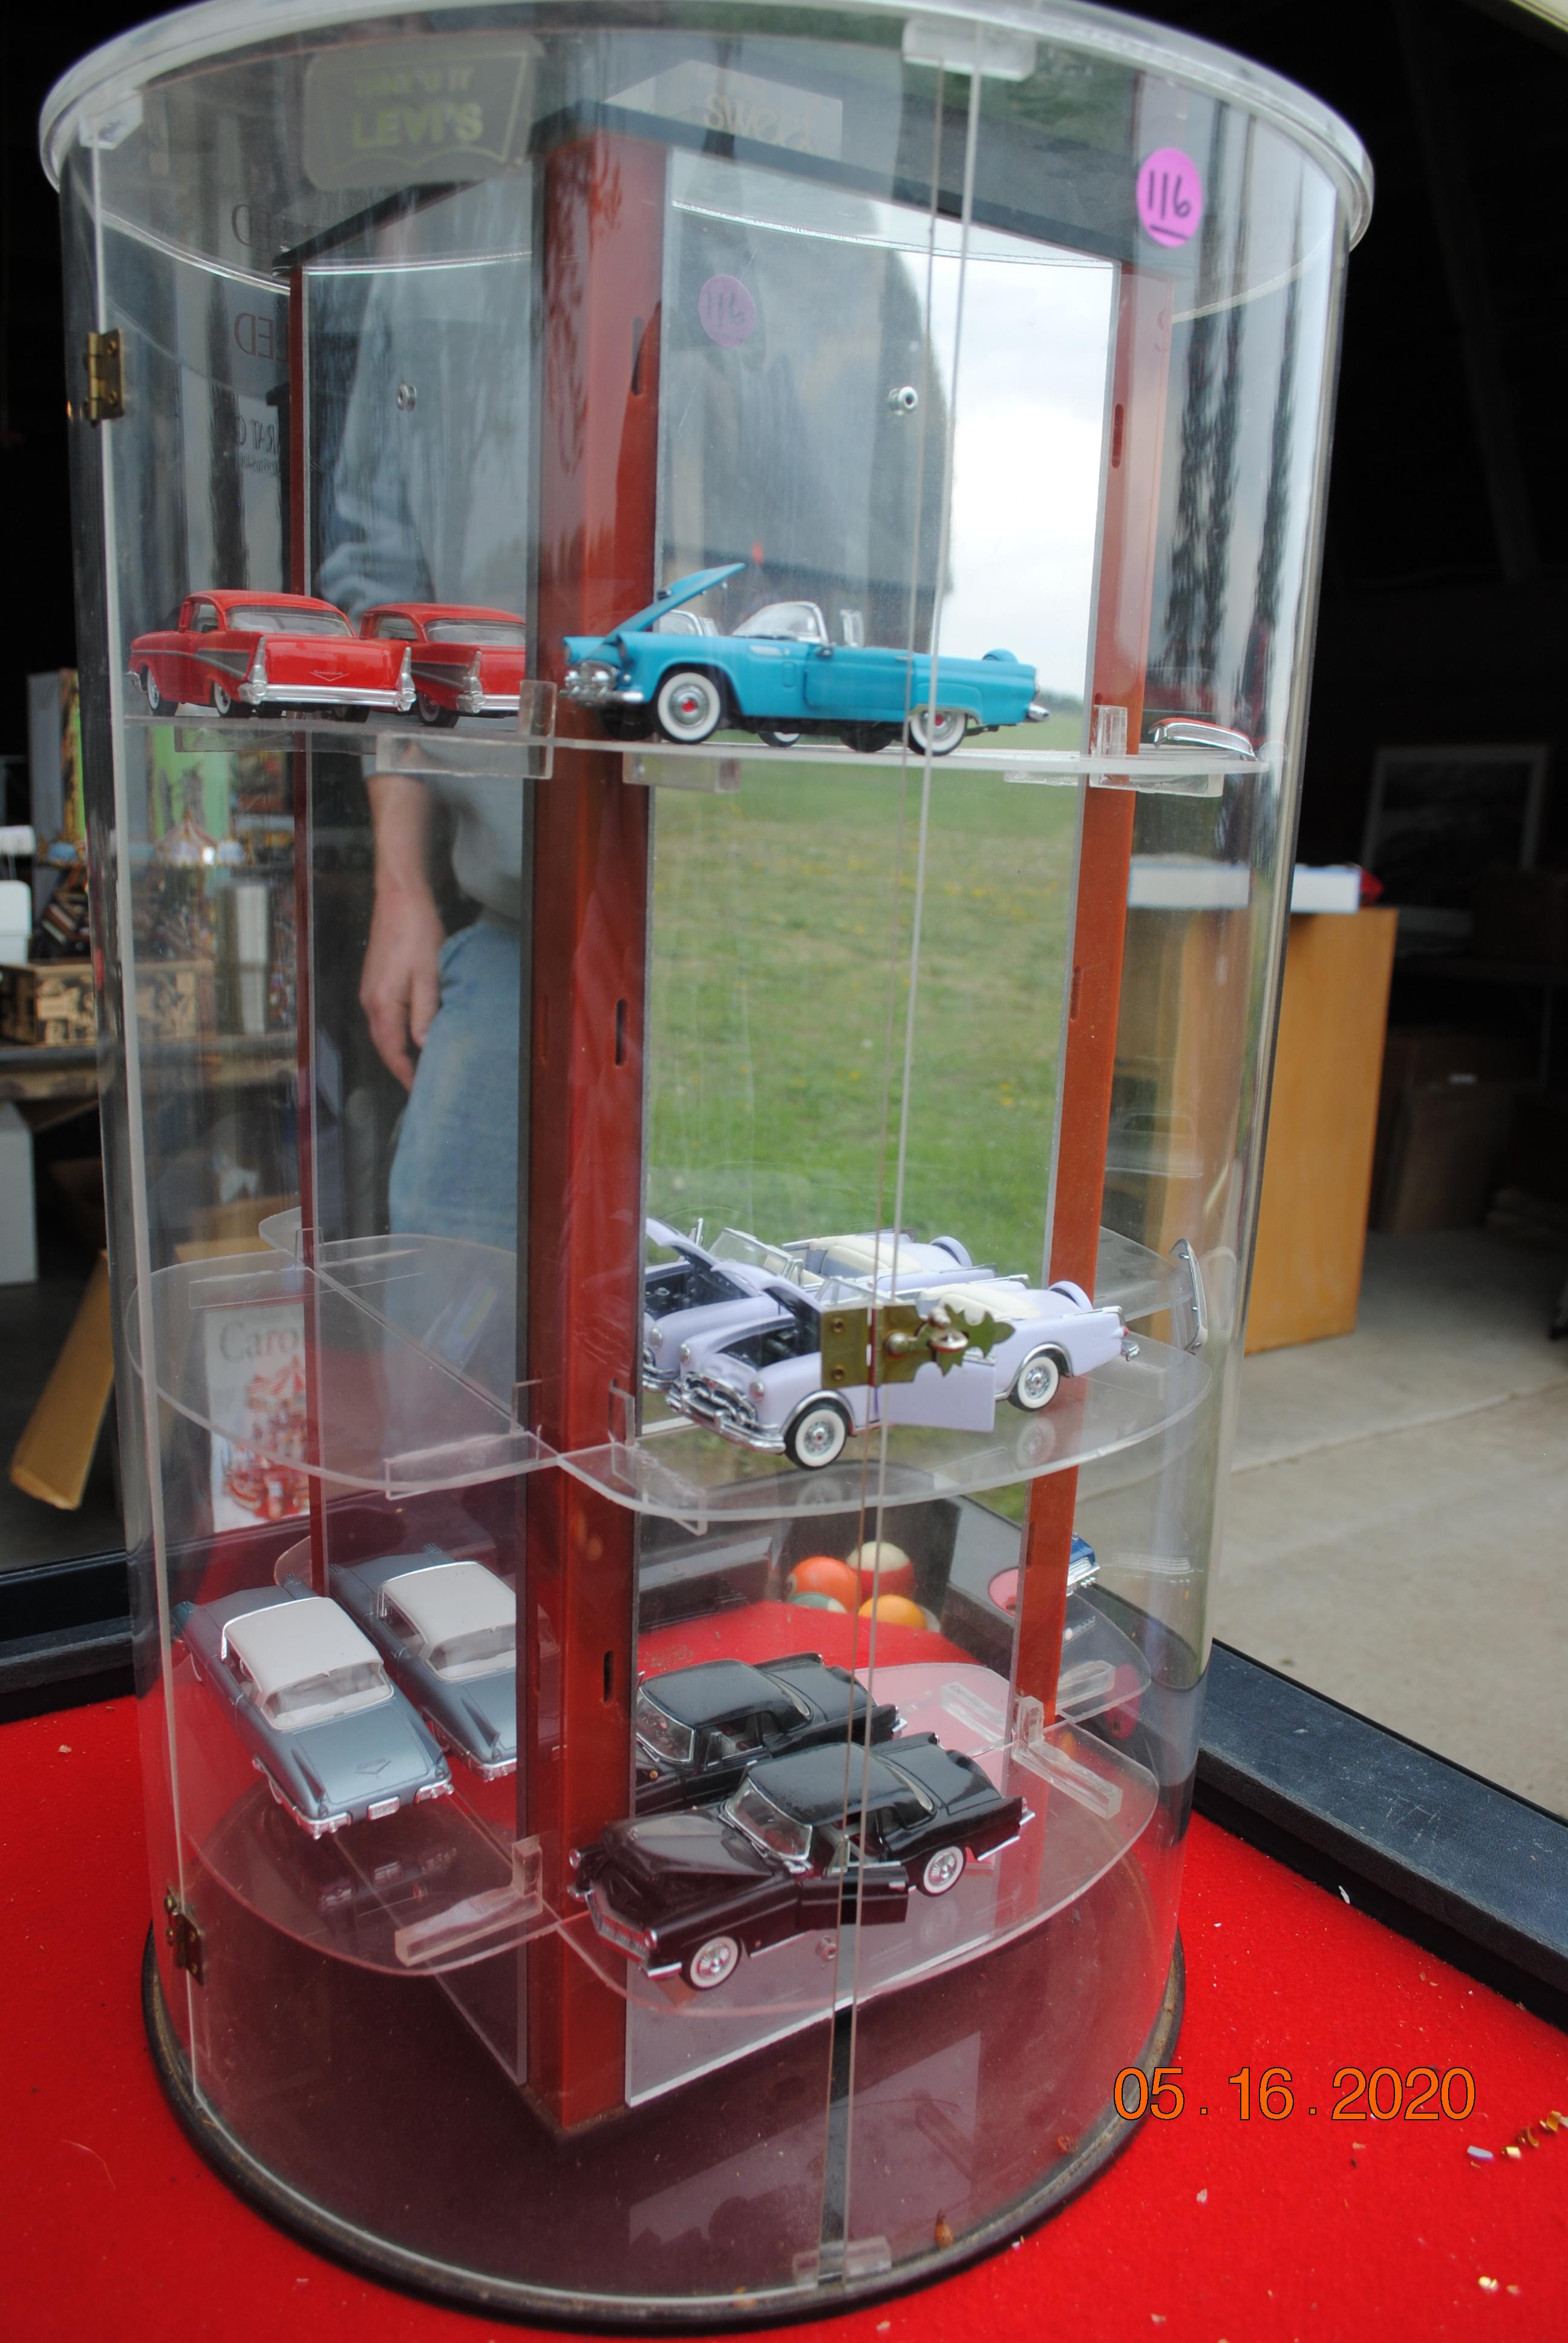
x,y
1004,1299
289,1641
452,1598
861,1256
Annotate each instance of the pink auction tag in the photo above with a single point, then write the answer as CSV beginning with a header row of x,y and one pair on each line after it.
x,y
1170,195
726,312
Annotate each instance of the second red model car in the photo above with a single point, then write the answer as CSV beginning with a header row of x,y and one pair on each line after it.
x,y
247,654
468,661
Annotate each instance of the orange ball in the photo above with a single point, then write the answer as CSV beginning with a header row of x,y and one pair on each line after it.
x,y
894,1611
896,1574
823,1573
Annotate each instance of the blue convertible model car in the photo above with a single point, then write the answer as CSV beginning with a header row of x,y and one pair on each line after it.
x,y
780,677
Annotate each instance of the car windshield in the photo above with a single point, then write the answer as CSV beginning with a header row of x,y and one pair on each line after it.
x,y
768,1826
331,1692
734,1244
267,619
795,621
662,1734
478,1652
481,630
684,622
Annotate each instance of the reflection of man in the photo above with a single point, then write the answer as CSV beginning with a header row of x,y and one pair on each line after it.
x,y
428,499
783,448
452,1000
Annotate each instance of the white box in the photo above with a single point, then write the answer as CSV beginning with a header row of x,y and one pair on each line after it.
x,y
18,1226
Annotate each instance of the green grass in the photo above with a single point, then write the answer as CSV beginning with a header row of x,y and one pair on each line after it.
x,y
778,993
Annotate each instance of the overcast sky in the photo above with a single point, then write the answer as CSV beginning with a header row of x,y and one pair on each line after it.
x,y
1030,410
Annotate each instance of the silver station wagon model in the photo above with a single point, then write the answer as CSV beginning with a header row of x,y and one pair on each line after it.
x,y
309,1697
447,1632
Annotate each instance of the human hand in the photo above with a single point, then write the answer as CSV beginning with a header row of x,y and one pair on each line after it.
x,y
400,982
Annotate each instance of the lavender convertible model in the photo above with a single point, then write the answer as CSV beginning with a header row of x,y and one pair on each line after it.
x,y
700,1294
763,1386
694,1294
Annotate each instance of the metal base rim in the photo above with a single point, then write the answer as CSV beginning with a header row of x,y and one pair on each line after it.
x,y
392,2264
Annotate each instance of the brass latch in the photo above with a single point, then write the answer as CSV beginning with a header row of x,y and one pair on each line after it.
x,y
106,398
182,1936
892,1343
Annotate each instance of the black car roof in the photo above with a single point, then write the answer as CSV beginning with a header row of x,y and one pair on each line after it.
x,y
812,1788
715,1689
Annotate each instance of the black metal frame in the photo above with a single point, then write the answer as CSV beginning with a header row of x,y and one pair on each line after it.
x,y
1475,1875
65,1635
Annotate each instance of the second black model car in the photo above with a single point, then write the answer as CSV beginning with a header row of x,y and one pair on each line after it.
x,y
803,1842
698,1728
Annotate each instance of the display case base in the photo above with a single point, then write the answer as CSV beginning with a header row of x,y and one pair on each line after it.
x,y
394,2265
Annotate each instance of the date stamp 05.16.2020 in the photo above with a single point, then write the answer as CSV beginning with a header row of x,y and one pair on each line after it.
x,y
1355,2094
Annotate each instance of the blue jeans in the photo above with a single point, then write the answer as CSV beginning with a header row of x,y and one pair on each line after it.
x,y
455,1171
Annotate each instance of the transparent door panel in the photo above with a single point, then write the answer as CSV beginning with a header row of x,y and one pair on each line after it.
x,y
694,646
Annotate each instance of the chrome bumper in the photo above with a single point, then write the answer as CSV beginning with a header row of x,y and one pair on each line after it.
x,y
723,1410
322,695
487,703
1037,712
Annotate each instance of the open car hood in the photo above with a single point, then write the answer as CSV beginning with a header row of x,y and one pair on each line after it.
x,y
684,590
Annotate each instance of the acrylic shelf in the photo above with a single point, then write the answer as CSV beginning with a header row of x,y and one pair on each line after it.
x,y
490,745
230,1339
685,1473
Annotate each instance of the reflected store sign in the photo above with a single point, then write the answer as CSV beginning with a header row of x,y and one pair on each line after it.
x,y
716,98
383,113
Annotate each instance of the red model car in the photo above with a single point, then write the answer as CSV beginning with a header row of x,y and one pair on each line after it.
x,y
253,654
466,661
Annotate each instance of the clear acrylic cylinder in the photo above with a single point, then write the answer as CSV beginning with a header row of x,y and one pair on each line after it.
x,y
694,638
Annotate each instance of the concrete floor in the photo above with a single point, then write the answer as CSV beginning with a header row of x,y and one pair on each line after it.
x,y
1397,1533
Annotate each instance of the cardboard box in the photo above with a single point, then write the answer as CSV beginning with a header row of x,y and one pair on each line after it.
x,y
1416,1055
1522,915
171,996
1445,1155
48,1004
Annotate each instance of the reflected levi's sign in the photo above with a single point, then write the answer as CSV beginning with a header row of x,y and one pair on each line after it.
x,y
382,114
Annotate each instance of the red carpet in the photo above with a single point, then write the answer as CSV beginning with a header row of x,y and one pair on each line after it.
x,y
1208,2230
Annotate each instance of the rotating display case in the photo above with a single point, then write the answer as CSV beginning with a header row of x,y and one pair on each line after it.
x,y
694,638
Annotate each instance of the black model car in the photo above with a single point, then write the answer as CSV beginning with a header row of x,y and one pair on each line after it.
x,y
697,1729
803,1841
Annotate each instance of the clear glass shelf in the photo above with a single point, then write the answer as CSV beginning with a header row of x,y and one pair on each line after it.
x,y
379,1407
1086,1803
488,745
696,1477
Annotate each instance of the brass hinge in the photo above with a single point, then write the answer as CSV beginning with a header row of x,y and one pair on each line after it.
x,y
106,399
890,1345
183,1938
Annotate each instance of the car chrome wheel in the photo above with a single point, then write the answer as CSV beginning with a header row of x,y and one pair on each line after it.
x,y
941,735
818,1435
942,1870
689,707
776,736
223,701
1037,1381
867,740
432,713
156,701
712,1963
